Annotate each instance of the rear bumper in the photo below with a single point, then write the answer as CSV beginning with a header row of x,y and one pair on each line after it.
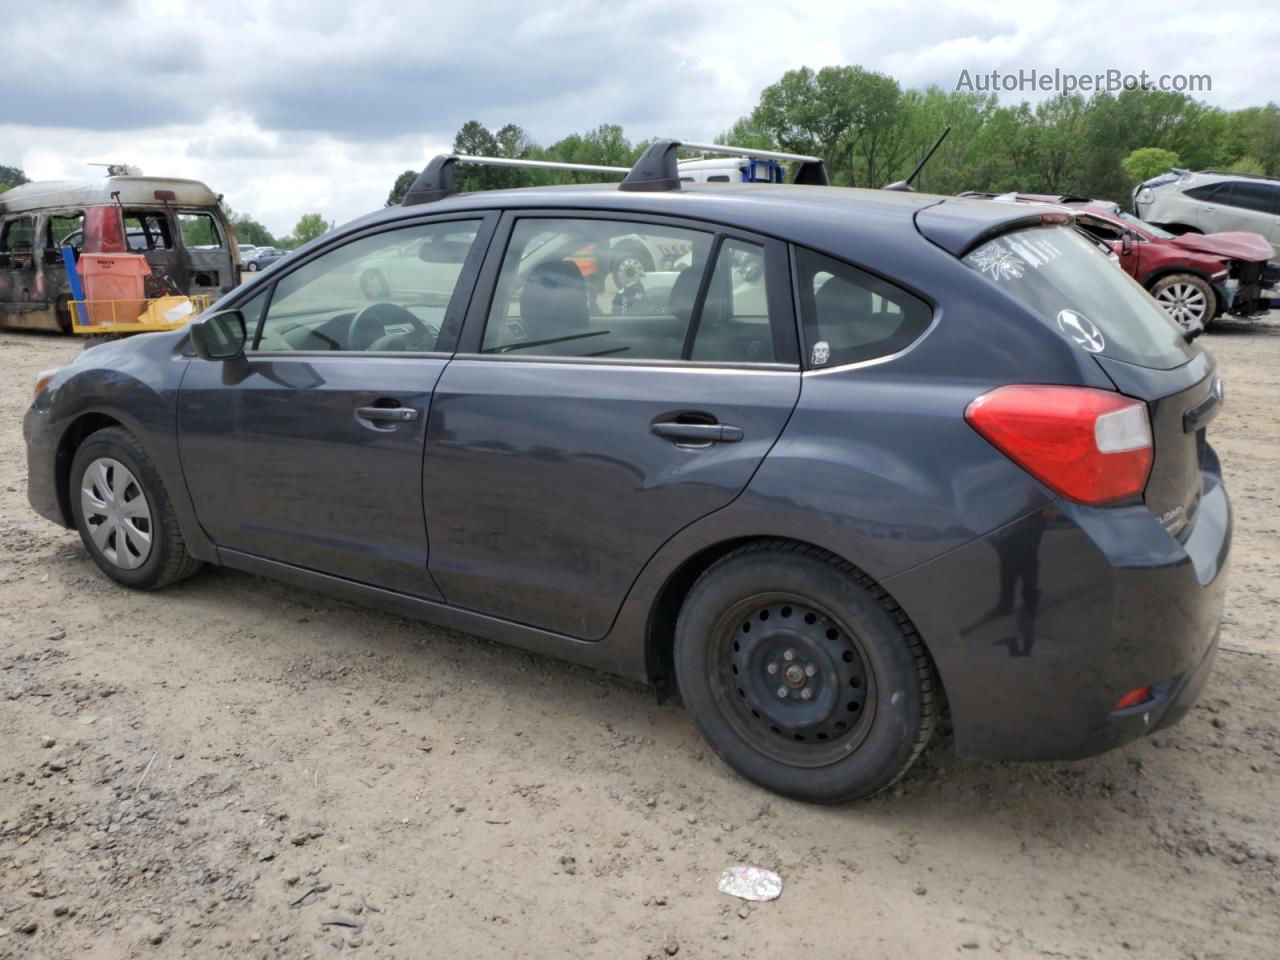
x,y
1040,628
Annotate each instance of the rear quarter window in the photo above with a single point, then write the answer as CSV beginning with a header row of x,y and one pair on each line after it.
x,y
850,316
1060,276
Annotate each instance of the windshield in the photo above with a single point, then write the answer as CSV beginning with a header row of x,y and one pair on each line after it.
x,y
1058,274
1149,227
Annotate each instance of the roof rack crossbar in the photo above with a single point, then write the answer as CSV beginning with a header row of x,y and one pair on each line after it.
x,y
659,168
438,180
748,152
539,164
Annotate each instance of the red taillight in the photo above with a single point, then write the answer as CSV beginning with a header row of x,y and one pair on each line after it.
x,y
1091,446
1133,698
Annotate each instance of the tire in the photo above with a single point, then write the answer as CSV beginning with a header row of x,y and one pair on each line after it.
x,y
109,469
630,262
873,696
1188,299
251,267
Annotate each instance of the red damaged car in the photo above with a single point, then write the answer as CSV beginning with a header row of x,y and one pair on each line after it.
x,y
1195,277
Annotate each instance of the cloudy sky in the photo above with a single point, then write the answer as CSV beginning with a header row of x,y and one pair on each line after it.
x,y
293,106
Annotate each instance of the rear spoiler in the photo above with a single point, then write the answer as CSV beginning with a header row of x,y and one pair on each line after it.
x,y
961,224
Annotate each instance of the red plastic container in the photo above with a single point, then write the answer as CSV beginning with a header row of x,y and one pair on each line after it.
x,y
113,286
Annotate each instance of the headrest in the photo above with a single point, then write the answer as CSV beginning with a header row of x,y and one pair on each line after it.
x,y
554,300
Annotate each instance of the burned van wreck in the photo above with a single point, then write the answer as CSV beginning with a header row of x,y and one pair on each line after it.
x,y
177,225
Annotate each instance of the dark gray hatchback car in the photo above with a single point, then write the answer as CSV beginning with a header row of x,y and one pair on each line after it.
x,y
822,461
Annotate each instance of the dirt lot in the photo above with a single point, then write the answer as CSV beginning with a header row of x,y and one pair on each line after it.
x,y
241,769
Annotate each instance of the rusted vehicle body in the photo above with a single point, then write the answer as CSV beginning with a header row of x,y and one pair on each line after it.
x,y
177,225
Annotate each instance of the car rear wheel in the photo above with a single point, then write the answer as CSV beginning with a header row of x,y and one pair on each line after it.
x,y
1187,298
803,674
251,267
124,515
631,263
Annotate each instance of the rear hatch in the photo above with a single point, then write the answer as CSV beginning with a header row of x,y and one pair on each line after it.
x,y
1059,275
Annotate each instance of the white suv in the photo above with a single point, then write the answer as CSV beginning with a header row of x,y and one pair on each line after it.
x,y
1185,202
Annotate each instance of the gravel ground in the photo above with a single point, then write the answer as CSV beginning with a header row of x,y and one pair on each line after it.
x,y
237,768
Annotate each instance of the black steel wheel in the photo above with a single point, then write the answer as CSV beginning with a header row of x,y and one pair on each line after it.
x,y
785,656
795,679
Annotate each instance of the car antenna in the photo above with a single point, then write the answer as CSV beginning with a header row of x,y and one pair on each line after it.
x,y
906,184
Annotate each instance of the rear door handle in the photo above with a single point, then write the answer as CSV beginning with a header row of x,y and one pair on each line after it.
x,y
687,433
387,414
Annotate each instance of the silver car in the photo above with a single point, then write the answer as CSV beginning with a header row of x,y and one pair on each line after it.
x,y
1186,202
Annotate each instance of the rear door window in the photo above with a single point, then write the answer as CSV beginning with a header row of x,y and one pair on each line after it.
x,y
145,230
1260,197
733,326
850,316
597,288
199,231
1059,275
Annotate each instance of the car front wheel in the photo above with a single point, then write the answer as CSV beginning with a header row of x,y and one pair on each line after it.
x,y
1187,298
803,674
124,515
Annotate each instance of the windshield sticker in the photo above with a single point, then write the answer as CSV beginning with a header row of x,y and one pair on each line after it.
x,y
1081,331
996,259
821,353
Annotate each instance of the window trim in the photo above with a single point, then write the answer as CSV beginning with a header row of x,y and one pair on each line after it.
x,y
455,312
935,315
782,318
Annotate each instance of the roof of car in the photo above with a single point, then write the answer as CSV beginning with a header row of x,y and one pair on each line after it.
x,y
131,189
842,220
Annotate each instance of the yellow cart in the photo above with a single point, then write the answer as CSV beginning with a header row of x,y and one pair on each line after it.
x,y
115,317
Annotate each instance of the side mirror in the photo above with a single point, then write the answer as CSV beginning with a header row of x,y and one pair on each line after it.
x,y
219,336
1126,243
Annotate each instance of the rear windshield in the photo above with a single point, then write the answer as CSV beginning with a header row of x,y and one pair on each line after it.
x,y
1058,274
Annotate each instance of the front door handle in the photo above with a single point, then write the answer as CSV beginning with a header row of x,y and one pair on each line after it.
x,y
387,414
700,433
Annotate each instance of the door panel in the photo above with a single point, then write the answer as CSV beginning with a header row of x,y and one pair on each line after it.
x,y
284,464
311,453
549,488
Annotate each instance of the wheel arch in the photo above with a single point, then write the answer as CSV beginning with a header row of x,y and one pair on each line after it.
x,y
660,632
76,433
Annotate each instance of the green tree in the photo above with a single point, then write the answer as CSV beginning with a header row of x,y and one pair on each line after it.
x,y
1147,162
310,226
12,176
249,230
401,187
1247,165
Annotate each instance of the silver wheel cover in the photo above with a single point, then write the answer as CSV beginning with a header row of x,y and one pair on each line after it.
x,y
116,513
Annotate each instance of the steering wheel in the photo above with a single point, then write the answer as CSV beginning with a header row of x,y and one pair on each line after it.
x,y
370,326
